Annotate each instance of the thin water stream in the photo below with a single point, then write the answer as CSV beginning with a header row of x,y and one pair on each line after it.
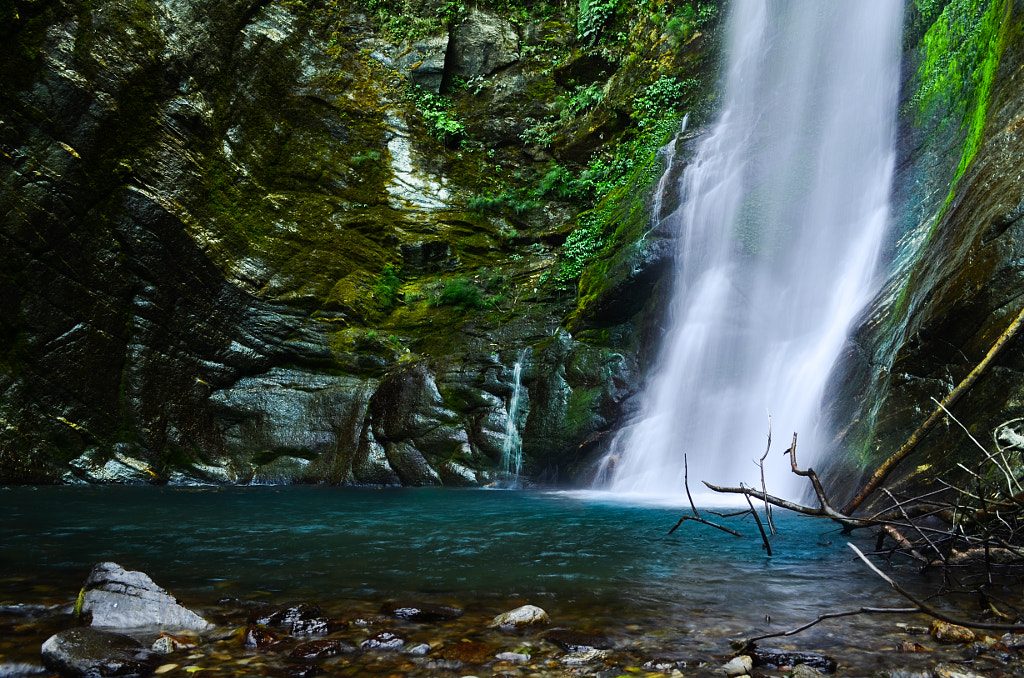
x,y
593,563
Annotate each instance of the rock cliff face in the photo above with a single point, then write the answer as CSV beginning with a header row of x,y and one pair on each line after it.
x,y
957,281
253,241
250,241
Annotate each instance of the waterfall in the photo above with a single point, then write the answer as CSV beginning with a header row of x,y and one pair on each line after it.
x,y
512,444
782,214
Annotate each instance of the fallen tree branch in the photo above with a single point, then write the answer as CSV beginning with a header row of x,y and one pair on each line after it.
x,y
889,464
928,609
825,509
696,515
831,615
764,537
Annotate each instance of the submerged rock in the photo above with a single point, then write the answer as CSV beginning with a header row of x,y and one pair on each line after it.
x,y
258,637
419,612
301,619
770,658
583,657
575,641
384,640
468,652
527,615
321,649
91,652
165,643
120,598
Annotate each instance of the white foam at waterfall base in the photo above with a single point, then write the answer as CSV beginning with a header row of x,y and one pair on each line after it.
x,y
783,211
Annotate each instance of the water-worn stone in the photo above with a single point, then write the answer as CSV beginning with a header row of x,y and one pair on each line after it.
x,y
120,598
166,643
1012,641
583,657
949,670
574,641
737,666
526,615
285,615
258,637
421,612
805,671
92,652
514,657
384,640
772,658
944,632
321,649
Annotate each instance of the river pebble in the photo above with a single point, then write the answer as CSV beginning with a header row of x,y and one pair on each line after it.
x,y
526,615
944,632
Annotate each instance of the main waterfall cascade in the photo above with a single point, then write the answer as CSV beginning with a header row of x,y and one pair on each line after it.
x,y
783,211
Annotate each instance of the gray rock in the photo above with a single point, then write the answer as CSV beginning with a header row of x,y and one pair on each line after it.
x,y
119,598
91,652
805,671
515,657
482,44
527,615
384,640
423,62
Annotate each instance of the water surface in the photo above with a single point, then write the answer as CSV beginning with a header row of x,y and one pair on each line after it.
x,y
592,563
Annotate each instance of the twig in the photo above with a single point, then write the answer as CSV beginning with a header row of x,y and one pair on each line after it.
x,y
917,529
989,456
833,615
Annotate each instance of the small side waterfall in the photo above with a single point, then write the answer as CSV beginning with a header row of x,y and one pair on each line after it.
x,y
512,445
783,212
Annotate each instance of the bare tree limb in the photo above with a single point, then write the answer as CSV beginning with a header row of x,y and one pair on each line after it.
x,y
764,487
932,611
764,537
696,515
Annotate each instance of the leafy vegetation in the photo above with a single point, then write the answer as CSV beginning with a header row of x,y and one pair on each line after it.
x,y
385,291
961,51
593,16
437,114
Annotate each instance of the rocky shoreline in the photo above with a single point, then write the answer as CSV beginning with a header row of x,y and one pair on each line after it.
x,y
124,624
